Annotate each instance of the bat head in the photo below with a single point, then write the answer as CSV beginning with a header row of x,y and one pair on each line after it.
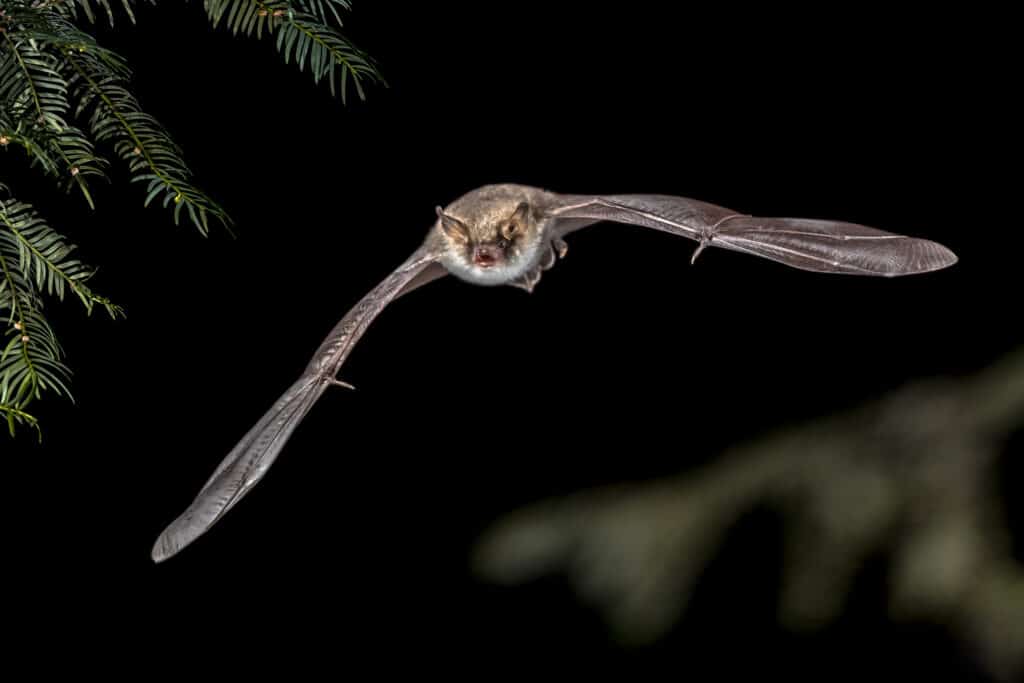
x,y
489,239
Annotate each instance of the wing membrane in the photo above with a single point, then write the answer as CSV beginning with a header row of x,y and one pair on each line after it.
x,y
817,245
832,246
247,462
677,215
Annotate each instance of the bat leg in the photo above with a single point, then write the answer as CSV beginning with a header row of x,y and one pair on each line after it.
x,y
704,242
523,285
528,280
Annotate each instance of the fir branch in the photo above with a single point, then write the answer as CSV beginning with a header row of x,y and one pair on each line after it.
x,y
139,140
52,73
324,10
302,32
11,132
44,257
91,13
68,155
15,417
243,16
31,82
31,358
34,259
55,30
34,98
31,361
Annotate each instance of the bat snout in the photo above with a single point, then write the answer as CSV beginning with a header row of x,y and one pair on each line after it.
x,y
486,256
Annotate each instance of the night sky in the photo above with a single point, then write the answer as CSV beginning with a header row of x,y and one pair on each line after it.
x,y
626,363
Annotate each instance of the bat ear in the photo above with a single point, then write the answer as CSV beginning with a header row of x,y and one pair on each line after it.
x,y
452,226
517,222
521,214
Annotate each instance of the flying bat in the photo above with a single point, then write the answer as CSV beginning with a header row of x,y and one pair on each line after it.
x,y
509,235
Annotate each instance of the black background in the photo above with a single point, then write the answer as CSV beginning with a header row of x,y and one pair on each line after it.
x,y
625,364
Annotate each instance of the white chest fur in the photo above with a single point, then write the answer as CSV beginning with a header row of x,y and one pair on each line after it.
x,y
495,275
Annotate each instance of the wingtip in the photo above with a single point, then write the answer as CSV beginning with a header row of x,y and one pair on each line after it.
x,y
943,257
162,549
172,541
935,257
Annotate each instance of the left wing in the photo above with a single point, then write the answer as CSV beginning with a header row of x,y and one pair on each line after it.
x,y
817,245
247,462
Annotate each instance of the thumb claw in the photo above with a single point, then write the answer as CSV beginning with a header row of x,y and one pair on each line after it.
x,y
339,383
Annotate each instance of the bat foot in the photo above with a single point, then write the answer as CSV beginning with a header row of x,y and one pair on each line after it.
x,y
338,383
524,285
560,246
528,280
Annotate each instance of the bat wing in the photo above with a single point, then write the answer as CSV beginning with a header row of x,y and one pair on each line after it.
x,y
809,244
248,461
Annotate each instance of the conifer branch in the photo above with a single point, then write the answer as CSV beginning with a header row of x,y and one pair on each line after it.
x,y
141,141
62,95
34,259
303,32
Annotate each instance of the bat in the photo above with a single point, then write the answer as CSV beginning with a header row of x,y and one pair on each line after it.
x,y
509,235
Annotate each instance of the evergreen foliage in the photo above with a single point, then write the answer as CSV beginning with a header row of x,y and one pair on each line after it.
x,y
65,101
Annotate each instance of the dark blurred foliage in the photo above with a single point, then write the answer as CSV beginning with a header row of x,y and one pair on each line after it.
x,y
911,480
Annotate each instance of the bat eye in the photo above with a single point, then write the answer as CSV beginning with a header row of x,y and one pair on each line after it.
x,y
502,244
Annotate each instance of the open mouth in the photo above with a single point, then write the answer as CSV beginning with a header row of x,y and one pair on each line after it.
x,y
485,257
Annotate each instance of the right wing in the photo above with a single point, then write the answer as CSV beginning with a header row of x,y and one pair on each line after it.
x,y
819,245
247,462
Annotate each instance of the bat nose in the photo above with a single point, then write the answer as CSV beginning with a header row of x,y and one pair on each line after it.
x,y
485,257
